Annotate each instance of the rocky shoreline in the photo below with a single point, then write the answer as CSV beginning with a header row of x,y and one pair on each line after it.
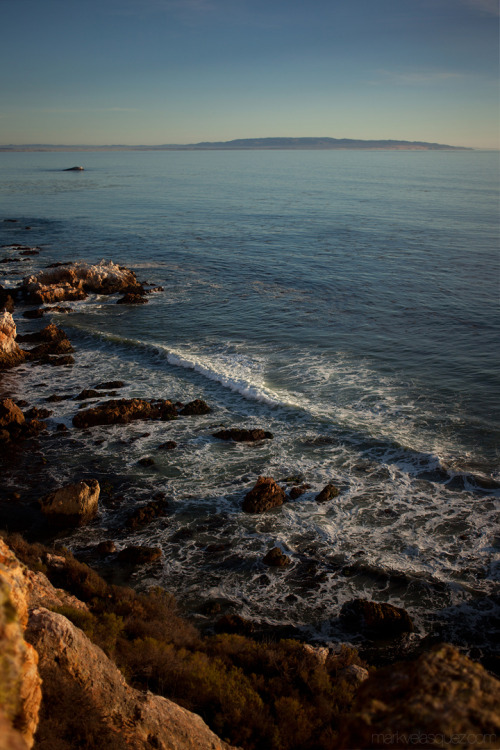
x,y
49,579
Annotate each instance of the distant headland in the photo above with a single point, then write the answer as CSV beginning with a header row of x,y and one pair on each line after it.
x,y
256,144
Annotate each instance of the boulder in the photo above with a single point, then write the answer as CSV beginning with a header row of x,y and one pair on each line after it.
x,y
264,495
443,699
112,713
242,435
20,692
276,558
137,555
327,493
131,298
147,513
109,385
10,353
123,411
10,413
195,408
379,619
298,490
74,502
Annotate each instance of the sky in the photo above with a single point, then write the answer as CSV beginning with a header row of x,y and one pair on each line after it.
x,y
149,72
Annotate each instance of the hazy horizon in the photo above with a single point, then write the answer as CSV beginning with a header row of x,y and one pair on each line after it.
x,y
180,72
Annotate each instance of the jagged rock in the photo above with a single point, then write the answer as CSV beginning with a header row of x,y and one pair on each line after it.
x,y
36,413
264,495
74,281
119,715
86,394
137,555
327,493
6,300
51,333
242,436
10,413
441,699
103,549
276,558
122,411
10,353
298,490
147,513
74,502
195,408
20,692
376,618
132,298
109,385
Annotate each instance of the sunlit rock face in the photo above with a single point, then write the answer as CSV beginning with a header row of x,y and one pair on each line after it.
x,y
10,353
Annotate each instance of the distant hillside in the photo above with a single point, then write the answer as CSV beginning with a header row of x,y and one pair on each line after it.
x,y
254,143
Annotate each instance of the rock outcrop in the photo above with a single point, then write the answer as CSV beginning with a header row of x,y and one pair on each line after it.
x,y
440,700
242,435
276,558
10,353
20,692
111,710
74,281
378,619
264,495
73,503
327,493
195,408
123,411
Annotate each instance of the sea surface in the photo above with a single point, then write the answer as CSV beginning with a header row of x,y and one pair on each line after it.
x,y
346,301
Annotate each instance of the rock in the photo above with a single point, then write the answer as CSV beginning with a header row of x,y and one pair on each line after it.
x,y
10,353
234,624
137,555
195,408
66,359
327,493
73,169
146,461
61,427
19,678
6,301
242,436
168,445
30,251
131,299
122,411
34,314
74,281
147,513
442,699
36,413
109,385
276,558
56,398
354,674
10,413
264,495
86,394
298,490
51,333
118,715
103,549
376,618
74,502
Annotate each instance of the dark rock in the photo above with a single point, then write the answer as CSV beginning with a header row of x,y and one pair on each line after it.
x,y
264,495
48,334
51,347
34,314
136,555
73,169
10,413
22,403
298,490
195,408
55,398
61,427
30,251
103,549
122,411
276,558
327,493
6,300
376,618
36,413
131,298
234,624
73,502
169,445
87,393
147,513
146,461
242,435
57,361
110,384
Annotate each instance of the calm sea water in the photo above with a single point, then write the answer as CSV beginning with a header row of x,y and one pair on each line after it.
x,y
346,301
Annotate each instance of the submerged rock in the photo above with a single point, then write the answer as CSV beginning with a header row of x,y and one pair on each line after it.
x,y
74,502
441,699
242,435
379,619
122,411
264,495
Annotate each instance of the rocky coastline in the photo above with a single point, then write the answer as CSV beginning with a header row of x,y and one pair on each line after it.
x,y
73,632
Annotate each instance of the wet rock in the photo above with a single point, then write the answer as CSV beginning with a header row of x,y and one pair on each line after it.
x,y
109,385
265,494
378,619
86,394
10,413
298,490
51,333
66,359
103,549
36,413
61,427
146,461
137,555
30,251
276,558
73,169
147,513
6,300
195,408
122,411
242,435
327,493
74,503
56,398
442,699
34,314
169,445
10,353
131,298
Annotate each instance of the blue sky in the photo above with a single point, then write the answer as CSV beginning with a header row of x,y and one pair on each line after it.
x,y
183,71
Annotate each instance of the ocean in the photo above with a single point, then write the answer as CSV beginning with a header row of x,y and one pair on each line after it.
x,y
346,301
